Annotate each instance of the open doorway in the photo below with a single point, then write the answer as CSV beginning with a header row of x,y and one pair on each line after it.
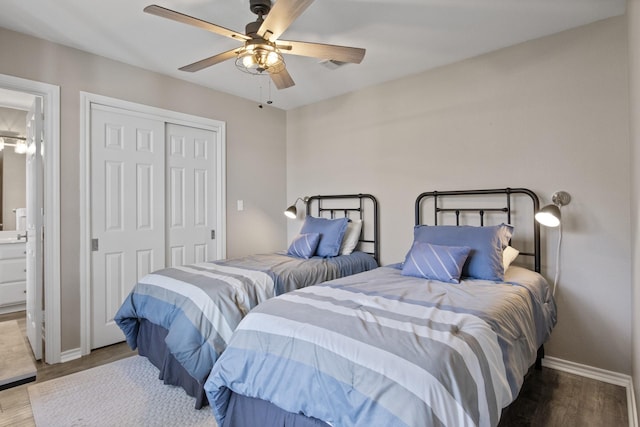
x,y
15,95
14,107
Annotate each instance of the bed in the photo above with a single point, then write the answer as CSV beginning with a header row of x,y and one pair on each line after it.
x,y
182,317
404,344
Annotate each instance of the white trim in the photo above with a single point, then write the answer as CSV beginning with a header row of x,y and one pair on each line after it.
x,y
86,100
603,375
13,308
51,108
69,355
631,404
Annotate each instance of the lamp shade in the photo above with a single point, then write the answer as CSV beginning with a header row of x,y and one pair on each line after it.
x,y
549,216
291,211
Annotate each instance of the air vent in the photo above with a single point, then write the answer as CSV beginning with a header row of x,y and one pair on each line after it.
x,y
332,64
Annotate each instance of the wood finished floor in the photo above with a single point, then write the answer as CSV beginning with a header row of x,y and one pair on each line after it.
x,y
15,407
553,398
548,398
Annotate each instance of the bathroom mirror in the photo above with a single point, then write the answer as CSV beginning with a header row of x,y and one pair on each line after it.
x,y
13,183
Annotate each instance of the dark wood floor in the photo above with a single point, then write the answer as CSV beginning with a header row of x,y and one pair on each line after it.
x,y
549,398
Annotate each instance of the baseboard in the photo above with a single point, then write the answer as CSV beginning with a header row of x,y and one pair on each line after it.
x,y
601,375
13,308
69,355
633,410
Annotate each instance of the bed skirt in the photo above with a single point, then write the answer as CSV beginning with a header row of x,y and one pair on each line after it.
x,y
247,411
151,345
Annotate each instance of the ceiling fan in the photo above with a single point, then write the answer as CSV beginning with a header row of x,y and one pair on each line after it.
x,y
262,51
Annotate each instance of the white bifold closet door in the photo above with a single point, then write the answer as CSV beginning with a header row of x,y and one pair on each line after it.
x,y
153,204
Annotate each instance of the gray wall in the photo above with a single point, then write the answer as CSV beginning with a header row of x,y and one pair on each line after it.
x,y
255,148
633,16
550,114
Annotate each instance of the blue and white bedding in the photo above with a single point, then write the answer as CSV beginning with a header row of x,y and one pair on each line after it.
x,y
200,305
380,348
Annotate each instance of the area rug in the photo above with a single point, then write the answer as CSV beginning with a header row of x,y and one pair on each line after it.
x,y
16,361
123,393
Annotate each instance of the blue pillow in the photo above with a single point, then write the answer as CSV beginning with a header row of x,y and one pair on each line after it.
x,y
331,233
443,263
486,243
304,245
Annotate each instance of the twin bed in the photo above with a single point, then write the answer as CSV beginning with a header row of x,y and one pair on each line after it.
x,y
182,318
444,338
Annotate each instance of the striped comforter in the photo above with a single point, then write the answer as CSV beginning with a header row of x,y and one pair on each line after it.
x,y
200,305
383,349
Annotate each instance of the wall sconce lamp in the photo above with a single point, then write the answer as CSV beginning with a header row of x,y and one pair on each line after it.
x,y
292,211
549,216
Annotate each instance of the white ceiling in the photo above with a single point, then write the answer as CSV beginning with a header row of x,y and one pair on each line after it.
x,y
402,37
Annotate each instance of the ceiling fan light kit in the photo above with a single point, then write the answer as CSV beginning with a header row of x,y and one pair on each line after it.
x,y
262,51
256,58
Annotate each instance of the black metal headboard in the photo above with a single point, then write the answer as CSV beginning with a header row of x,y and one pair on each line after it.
x,y
457,202
354,206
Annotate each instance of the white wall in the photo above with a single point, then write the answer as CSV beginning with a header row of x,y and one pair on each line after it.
x,y
633,17
550,114
255,148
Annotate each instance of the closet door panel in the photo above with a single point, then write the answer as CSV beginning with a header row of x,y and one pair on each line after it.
x,y
128,206
191,195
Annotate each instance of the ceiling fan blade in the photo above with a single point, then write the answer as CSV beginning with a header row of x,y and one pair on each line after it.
x,y
190,20
282,80
322,51
281,15
212,60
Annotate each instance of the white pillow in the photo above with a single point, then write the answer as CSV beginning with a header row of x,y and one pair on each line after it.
x,y
509,254
351,236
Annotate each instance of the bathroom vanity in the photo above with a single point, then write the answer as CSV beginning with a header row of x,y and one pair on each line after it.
x,y
13,272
